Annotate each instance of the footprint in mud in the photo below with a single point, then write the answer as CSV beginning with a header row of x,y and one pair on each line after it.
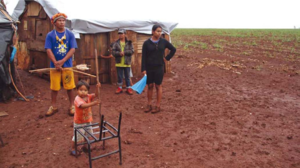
x,y
260,152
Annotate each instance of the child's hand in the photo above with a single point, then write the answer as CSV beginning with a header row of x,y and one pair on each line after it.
x,y
96,102
98,85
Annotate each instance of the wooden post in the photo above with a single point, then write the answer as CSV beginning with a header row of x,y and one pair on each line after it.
x,y
135,66
12,80
167,63
97,73
113,36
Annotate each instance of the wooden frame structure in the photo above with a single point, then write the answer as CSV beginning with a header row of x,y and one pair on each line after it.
x,y
34,26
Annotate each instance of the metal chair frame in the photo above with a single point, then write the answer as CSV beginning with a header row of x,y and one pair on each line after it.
x,y
105,127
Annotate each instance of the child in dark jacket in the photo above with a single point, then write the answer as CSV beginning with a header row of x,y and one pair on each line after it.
x,y
122,51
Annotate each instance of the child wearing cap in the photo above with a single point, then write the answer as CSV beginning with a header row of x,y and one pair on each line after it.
x,y
111,56
122,50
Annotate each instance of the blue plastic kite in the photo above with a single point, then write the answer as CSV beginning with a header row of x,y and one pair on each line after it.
x,y
140,85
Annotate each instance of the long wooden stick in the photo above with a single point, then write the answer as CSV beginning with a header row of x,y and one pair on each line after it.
x,y
39,70
97,73
20,80
84,73
47,69
12,80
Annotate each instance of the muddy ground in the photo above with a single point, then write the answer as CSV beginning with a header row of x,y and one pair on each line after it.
x,y
220,108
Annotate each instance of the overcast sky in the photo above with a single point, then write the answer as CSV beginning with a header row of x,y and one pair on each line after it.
x,y
193,13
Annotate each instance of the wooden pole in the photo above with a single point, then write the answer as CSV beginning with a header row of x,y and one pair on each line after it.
x,y
97,73
39,70
84,73
12,80
20,80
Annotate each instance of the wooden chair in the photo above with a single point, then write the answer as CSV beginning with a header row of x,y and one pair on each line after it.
x,y
90,138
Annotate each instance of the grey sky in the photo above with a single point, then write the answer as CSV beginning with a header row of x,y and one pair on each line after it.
x,y
195,13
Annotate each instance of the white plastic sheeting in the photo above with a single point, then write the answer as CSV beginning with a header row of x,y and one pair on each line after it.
x,y
89,23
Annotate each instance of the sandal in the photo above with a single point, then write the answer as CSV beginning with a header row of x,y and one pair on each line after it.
x,y
148,109
156,110
51,111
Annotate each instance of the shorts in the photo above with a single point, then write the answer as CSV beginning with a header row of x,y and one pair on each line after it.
x,y
80,137
66,76
155,75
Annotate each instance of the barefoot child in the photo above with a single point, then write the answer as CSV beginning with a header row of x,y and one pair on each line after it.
x,y
83,111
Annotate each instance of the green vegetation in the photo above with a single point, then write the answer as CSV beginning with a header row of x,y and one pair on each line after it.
x,y
258,49
254,47
203,45
253,43
269,43
246,53
258,67
220,38
217,45
271,34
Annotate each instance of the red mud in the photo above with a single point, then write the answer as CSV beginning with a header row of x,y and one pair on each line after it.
x,y
231,110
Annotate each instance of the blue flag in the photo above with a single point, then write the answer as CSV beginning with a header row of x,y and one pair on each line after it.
x,y
140,85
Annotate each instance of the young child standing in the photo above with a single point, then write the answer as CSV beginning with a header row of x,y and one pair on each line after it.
x,y
123,50
83,111
111,56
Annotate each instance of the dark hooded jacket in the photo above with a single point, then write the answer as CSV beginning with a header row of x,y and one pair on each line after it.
x,y
128,51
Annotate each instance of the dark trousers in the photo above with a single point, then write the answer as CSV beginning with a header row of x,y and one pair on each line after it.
x,y
120,72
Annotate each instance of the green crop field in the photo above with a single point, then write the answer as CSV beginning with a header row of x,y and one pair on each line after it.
x,y
269,42
282,46
293,34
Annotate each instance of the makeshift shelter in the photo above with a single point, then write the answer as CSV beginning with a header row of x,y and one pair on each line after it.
x,y
34,16
6,41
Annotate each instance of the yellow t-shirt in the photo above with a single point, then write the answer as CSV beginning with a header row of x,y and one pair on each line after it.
x,y
122,64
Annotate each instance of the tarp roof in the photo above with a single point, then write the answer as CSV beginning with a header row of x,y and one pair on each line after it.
x,y
6,32
86,19
4,21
